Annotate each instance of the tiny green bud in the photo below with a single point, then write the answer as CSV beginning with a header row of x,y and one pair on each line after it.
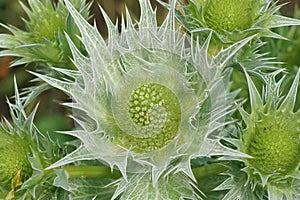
x,y
14,153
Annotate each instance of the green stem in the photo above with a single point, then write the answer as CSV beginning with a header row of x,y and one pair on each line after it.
x,y
105,172
91,172
208,170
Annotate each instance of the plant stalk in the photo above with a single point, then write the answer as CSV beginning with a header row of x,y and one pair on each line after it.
x,y
105,172
91,172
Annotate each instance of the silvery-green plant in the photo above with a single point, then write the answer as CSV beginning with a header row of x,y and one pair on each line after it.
x,y
153,107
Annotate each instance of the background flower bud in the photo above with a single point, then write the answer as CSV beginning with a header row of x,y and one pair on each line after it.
x,y
14,153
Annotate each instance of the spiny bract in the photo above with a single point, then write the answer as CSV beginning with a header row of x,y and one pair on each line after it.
x,y
271,138
145,97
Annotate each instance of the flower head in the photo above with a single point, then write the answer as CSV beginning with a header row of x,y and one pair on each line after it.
x,y
14,159
148,98
231,15
271,138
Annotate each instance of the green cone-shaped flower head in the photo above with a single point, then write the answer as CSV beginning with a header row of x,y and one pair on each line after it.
x,y
230,15
272,134
272,139
150,116
274,144
14,152
146,96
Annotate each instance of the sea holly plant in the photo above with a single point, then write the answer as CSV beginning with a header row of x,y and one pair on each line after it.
x,y
271,136
155,116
